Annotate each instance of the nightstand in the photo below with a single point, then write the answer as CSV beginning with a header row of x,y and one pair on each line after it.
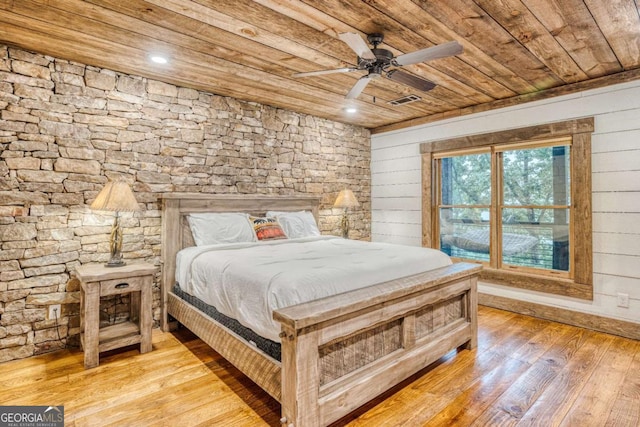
x,y
97,281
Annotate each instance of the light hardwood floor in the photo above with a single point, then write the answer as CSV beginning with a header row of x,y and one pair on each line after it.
x,y
525,372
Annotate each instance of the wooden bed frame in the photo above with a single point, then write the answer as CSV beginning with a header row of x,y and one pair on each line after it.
x,y
338,352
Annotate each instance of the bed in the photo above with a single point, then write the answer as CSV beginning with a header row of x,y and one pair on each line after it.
x,y
337,352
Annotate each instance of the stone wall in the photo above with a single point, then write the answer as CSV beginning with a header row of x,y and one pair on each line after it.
x,y
67,128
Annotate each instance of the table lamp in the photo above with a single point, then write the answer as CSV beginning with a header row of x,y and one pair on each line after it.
x,y
116,196
345,200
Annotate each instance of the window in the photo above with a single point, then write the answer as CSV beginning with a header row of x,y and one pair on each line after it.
x,y
464,206
526,189
520,207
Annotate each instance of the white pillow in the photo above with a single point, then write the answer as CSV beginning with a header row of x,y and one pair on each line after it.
x,y
297,224
215,228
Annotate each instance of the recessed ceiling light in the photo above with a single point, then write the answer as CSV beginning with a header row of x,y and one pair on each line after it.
x,y
158,59
351,110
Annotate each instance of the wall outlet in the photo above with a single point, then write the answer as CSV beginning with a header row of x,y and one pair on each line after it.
x,y
623,300
54,311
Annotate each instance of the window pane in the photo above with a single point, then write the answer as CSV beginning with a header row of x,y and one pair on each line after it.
x,y
466,180
536,238
538,176
464,233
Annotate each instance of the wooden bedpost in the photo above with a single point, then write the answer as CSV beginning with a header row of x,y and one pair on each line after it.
x,y
299,379
472,313
172,241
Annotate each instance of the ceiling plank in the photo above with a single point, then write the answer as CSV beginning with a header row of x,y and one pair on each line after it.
x,y
231,24
363,17
573,26
399,41
327,24
431,29
619,21
525,27
472,23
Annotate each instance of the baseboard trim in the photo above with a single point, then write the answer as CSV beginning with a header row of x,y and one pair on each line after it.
x,y
575,318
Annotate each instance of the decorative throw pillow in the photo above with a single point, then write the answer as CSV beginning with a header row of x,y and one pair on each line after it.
x,y
267,228
297,224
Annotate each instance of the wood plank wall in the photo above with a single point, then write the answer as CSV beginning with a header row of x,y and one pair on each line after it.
x,y
396,188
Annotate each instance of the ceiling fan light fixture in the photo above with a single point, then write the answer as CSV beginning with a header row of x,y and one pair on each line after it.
x,y
351,110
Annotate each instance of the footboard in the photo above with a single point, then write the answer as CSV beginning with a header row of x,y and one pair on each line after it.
x,y
340,352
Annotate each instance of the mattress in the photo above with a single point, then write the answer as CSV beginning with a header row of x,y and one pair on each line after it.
x,y
248,281
273,349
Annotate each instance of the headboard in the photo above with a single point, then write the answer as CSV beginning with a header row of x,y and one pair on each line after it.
x,y
176,233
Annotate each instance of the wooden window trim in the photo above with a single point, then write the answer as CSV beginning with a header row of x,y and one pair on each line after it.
x,y
579,130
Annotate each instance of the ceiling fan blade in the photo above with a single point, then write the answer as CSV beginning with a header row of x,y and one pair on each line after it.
x,y
433,52
357,88
358,45
320,72
410,80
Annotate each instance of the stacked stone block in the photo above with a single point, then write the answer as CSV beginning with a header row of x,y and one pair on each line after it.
x,y
67,128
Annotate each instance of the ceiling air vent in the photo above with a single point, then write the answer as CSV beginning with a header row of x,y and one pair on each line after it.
x,y
405,100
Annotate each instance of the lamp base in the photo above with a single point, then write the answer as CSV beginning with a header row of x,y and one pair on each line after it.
x,y
344,225
115,264
116,260
115,244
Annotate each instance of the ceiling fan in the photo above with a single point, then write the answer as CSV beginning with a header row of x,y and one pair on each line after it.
x,y
380,62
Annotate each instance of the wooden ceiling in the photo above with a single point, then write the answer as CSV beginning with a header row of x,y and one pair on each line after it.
x,y
514,50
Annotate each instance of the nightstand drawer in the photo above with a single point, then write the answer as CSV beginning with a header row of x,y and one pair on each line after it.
x,y
121,286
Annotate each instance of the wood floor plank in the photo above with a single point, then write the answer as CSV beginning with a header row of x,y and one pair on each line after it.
x,y
119,396
242,417
473,403
524,392
510,337
548,337
626,409
169,403
470,404
524,372
556,400
601,391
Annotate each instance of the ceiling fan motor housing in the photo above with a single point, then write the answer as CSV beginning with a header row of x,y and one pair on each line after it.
x,y
383,61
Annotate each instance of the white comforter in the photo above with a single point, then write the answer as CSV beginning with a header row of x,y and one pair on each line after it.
x,y
248,281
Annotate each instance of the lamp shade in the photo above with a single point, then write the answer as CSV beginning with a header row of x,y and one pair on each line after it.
x,y
116,196
346,199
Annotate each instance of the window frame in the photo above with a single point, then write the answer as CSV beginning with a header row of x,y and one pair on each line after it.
x,y
579,283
